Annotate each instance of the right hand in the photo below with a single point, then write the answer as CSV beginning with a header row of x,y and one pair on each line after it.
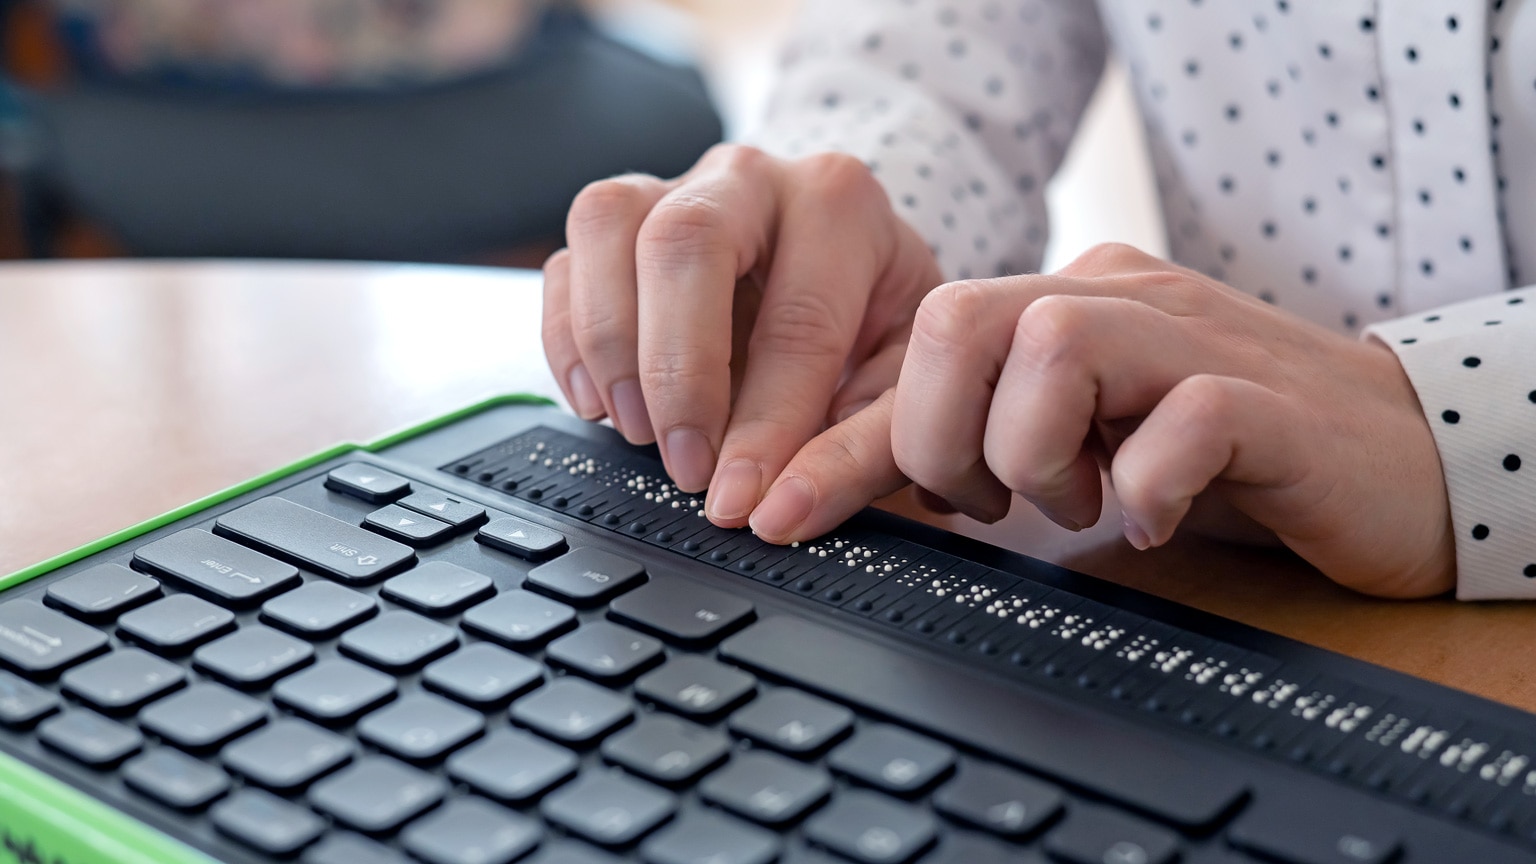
x,y
733,313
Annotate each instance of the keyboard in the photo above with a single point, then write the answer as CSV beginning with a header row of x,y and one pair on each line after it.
x,y
507,637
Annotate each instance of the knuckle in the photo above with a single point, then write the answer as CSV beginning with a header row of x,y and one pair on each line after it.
x,y
1208,403
1104,258
671,374
682,227
1016,468
949,315
840,178
803,325
737,158
557,262
602,203
1053,330
598,329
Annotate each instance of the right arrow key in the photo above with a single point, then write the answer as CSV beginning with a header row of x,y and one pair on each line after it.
x,y
522,538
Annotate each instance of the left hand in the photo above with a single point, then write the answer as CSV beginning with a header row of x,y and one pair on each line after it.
x,y
1203,404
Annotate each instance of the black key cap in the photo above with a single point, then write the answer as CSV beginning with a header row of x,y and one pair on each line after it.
x,y
407,526
667,750
309,537
421,727
572,711
318,610
220,570
176,624
609,808
975,849
1093,835
483,675
445,508
1139,767
38,642
90,738
399,641
767,788
520,619
122,681
439,588
253,656
873,829
175,779
266,822
681,612
513,766
288,755
696,686
572,853
522,538
102,593
892,759
586,576
365,482
472,831
704,836
334,691
604,651
23,703
1301,832
344,847
792,722
998,800
377,794
203,716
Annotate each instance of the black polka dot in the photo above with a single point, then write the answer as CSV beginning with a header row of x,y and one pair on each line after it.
x,y
1427,267
1192,68
1345,253
1309,204
1383,229
1471,362
1233,112
1424,197
1451,417
1384,300
1372,93
909,200
1308,275
1451,24
872,42
1378,161
1531,396
1466,244
1236,41
1367,25
1412,54
1268,228
1515,301
1350,321
1227,183
1409,341
1530,571
830,100
1479,532
1324,51
1511,462
1455,101
957,48
1460,175
1493,323
1418,127
1430,319
1154,21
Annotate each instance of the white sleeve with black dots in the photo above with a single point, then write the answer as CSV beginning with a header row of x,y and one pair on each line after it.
x,y
1473,365
962,108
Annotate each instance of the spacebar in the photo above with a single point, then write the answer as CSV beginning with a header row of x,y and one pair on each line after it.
x,y
1141,769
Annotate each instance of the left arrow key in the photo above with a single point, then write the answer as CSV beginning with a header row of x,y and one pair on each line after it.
x,y
220,570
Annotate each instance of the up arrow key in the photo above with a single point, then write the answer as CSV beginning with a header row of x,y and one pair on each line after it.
x,y
522,538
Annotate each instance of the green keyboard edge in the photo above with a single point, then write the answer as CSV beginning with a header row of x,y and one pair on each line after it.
x,y
45,819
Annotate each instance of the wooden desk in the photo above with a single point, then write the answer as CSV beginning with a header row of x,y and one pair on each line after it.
x,y
127,389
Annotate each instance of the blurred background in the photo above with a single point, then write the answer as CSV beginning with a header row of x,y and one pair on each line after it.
x,y
409,130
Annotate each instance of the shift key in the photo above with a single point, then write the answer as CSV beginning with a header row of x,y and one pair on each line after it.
x,y
311,538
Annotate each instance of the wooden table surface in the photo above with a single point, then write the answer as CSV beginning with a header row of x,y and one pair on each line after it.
x,y
129,388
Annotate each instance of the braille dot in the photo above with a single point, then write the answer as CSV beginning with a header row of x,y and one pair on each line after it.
x,y
1283,5
1273,87
1227,252
1479,532
1530,571
1308,136
1344,185
909,71
1472,362
1026,183
978,187
973,121
1511,462
1451,417
948,219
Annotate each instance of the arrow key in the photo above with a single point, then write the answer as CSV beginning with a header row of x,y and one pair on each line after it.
x,y
407,526
444,508
371,484
522,538
998,800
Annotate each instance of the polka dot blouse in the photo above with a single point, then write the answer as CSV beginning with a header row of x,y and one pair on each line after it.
x,y
1369,165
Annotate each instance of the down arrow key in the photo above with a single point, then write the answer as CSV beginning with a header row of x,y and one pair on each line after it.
x,y
522,538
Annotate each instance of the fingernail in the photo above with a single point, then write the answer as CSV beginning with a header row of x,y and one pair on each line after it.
x,y
690,458
629,406
584,396
1133,533
853,409
733,493
787,505
1064,521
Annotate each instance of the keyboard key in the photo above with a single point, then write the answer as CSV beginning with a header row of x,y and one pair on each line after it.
x,y
334,547
513,766
1305,833
175,779
421,727
220,570
443,507
682,613
696,686
609,808
572,711
767,788
38,642
605,652
102,593
367,483
998,800
122,681
892,759
288,755
253,657
399,641
704,836
483,675
334,691
520,619
873,829
586,576
266,822
318,610
344,847
176,624
571,853
23,703
377,794
439,588
666,750
203,716
792,722
522,538
1093,835
407,526
975,849
472,831
90,738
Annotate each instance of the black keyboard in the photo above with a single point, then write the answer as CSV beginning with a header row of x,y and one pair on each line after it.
x,y
511,639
